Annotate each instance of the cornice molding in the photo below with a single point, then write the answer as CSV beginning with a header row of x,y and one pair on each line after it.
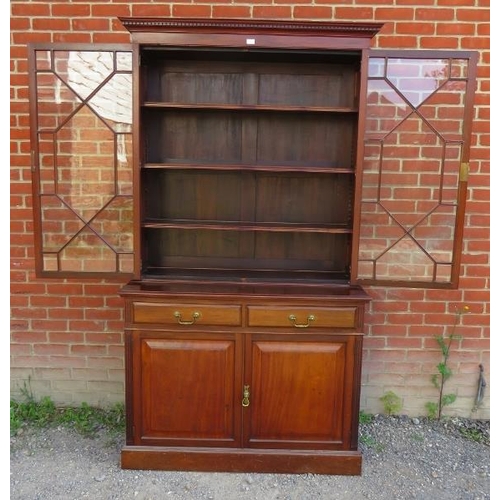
x,y
153,24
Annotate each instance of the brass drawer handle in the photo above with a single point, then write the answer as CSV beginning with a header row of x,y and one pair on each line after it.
x,y
293,319
178,315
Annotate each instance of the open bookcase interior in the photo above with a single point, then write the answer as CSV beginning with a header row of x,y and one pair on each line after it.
x,y
247,164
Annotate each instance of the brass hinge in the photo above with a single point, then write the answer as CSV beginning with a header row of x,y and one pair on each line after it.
x,y
464,172
33,167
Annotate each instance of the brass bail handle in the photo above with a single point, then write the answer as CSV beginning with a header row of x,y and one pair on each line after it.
x,y
293,319
178,315
246,396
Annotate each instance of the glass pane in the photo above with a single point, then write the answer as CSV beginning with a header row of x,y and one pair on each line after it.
x,y
46,166
113,103
50,262
436,232
114,224
402,193
414,147
55,101
83,71
88,253
376,67
126,263
459,68
124,61
385,109
84,124
59,224
85,164
124,179
417,79
405,260
43,59
445,110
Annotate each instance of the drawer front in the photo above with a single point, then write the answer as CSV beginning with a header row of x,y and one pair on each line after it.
x,y
186,314
302,317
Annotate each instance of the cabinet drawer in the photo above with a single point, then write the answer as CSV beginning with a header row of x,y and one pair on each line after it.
x,y
302,317
186,314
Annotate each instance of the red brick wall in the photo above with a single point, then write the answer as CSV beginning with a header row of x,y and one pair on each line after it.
x,y
67,334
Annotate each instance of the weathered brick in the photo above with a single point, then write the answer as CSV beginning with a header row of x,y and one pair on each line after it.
x,y
51,24
191,11
151,10
394,14
433,14
353,13
67,335
439,42
230,11
312,12
90,24
29,9
270,12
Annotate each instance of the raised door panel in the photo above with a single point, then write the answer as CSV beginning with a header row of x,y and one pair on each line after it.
x,y
298,394
187,388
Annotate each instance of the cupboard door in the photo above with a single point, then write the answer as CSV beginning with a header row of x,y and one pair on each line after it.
x,y
299,392
81,147
417,133
187,389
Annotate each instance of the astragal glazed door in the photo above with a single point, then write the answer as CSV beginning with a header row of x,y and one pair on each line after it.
x,y
81,127
417,132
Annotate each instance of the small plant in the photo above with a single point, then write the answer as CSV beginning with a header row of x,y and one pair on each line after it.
x,y
392,403
370,442
432,409
473,435
38,413
365,418
435,409
417,437
85,419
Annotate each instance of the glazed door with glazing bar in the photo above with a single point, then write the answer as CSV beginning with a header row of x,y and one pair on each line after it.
x,y
415,167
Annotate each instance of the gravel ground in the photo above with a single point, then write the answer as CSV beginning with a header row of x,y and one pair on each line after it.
x,y
403,458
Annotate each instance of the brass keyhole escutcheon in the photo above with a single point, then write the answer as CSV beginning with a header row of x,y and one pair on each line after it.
x,y
246,396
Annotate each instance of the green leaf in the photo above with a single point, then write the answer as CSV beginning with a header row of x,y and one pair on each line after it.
x,y
392,403
440,340
432,409
448,399
434,380
444,370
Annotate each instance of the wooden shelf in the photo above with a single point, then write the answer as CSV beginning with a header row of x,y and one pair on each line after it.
x,y
245,226
241,281
217,166
249,107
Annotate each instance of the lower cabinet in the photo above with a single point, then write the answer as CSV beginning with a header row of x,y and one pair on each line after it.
x,y
240,391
